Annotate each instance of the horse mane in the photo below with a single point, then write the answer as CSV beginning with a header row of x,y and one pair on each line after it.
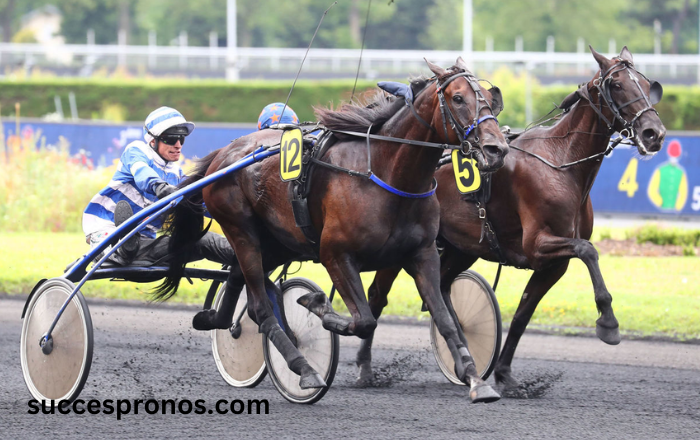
x,y
374,109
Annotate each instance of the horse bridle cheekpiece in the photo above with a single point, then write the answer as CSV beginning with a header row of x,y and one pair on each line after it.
x,y
602,83
464,131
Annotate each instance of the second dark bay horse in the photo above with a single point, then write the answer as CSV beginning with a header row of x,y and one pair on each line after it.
x,y
540,211
361,225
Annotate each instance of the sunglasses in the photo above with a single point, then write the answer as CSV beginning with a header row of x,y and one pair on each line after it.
x,y
171,139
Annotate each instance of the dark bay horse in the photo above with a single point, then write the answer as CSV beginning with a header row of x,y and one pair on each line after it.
x,y
542,214
362,226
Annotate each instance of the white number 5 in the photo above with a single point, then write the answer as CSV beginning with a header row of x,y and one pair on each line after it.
x,y
696,199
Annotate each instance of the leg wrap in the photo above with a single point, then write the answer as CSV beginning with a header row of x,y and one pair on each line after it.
x,y
271,328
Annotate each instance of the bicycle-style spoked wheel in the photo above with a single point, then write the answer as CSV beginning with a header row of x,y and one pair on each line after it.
x,y
476,306
238,351
319,346
60,374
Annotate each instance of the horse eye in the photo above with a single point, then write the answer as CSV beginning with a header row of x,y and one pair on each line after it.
x,y
617,85
458,99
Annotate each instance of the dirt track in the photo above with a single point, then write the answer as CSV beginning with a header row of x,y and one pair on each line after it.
x,y
584,388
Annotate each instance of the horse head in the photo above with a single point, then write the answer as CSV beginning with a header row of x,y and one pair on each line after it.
x,y
630,96
470,111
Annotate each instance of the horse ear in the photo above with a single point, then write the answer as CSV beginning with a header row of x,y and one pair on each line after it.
x,y
626,55
602,61
496,100
437,70
655,92
460,64
570,100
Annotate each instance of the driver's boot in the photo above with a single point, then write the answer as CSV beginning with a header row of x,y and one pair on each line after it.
x,y
130,248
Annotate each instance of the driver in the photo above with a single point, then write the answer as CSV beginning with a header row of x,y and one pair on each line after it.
x,y
148,171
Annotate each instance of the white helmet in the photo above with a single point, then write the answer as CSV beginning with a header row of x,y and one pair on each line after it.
x,y
162,119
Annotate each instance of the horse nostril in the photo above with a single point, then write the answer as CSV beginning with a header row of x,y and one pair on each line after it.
x,y
650,135
493,150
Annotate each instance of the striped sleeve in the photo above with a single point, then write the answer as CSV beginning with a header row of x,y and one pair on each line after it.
x,y
137,163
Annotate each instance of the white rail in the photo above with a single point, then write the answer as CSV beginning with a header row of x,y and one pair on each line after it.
x,y
82,60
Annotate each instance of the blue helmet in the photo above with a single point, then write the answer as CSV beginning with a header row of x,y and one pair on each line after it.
x,y
272,114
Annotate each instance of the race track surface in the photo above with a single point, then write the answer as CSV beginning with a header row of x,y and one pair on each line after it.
x,y
577,387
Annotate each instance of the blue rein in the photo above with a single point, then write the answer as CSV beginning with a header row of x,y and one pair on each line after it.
x,y
373,177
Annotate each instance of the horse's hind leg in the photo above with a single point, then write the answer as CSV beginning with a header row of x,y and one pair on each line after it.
x,y
222,318
452,263
540,283
377,299
425,270
260,310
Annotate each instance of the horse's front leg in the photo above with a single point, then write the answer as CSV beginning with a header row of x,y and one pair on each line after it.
x,y
549,249
425,270
346,278
377,298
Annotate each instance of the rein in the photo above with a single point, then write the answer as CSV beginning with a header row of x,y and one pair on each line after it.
x,y
462,131
611,147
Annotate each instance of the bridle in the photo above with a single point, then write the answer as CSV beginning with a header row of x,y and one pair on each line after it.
x,y
464,131
627,134
602,84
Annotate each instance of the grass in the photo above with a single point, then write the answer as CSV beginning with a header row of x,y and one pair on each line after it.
x,y
650,295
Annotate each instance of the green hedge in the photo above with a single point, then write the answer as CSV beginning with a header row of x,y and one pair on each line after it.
x,y
218,101
201,101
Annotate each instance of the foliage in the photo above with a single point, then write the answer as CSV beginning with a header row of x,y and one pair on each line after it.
x,y
218,101
404,24
202,101
41,188
661,236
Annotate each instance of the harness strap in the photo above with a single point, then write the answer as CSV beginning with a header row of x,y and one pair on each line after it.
x,y
421,120
391,189
399,140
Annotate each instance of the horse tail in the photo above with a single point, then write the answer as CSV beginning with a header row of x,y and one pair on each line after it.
x,y
185,228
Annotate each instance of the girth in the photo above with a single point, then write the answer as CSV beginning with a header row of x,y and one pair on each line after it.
x,y
300,188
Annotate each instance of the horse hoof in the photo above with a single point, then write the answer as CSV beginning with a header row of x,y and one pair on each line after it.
x,y
365,377
204,320
506,382
312,380
315,302
610,336
336,324
483,393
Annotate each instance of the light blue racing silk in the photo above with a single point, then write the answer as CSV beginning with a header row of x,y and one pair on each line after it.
x,y
138,170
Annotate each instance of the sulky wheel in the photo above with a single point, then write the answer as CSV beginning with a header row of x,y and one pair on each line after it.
x,y
238,350
60,374
475,304
319,346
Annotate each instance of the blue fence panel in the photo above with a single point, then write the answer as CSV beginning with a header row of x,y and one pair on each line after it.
x,y
101,144
667,184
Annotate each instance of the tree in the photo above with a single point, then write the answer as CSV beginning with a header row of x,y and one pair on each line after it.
x,y
678,22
